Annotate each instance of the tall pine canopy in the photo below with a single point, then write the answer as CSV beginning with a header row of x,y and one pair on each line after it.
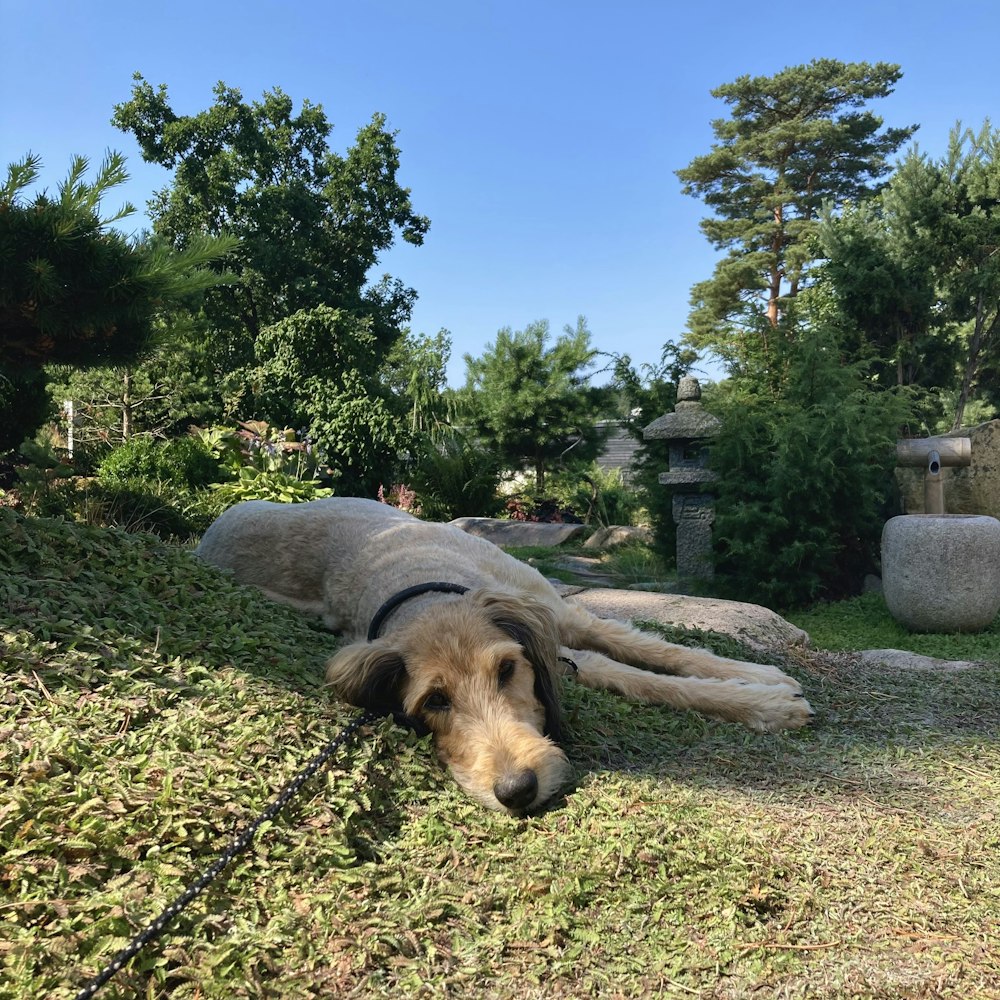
x,y
794,143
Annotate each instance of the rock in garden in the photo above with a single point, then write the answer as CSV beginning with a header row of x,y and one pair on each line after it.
x,y
758,627
510,533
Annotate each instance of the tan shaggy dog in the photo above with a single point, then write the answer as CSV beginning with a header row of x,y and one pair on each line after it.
x,y
458,637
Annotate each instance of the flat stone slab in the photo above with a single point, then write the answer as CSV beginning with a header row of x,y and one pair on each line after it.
x,y
503,532
758,627
904,660
587,568
618,534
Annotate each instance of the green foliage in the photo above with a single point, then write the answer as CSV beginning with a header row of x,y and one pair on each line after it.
x,y
24,405
73,290
454,477
584,493
530,401
883,283
794,143
279,487
864,622
318,370
255,444
581,493
161,394
312,223
182,461
916,273
611,500
805,474
416,370
167,510
42,480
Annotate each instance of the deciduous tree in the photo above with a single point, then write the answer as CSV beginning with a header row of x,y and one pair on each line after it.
x,y
311,222
316,372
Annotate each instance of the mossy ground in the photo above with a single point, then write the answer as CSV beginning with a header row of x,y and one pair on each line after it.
x,y
149,708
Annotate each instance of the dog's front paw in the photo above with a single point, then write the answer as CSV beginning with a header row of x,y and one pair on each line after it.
x,y
778,707
763,673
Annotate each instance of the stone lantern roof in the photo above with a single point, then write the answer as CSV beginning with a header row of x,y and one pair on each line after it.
x,y
689,421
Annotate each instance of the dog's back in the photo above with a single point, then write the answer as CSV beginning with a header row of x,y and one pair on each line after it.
x,y
342,557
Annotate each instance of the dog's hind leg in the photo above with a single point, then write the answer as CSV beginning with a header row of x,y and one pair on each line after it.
x,y
625,643
764,707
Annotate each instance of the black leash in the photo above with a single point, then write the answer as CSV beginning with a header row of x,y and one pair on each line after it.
x,y
243,840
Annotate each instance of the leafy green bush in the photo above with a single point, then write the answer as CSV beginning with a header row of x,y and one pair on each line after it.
x,y
583,493
255,484
259,445
455,478
183,461
805,477
318,370
170,512
134,509
611,500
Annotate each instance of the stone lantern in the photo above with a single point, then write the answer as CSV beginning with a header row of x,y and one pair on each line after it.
x,y
687,432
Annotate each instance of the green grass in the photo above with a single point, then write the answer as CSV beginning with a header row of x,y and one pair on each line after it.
x,y
865,623
149,707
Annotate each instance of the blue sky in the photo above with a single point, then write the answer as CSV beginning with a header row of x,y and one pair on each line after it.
x,y
540,138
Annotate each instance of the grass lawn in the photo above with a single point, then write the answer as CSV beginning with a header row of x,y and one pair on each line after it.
x,y
149,708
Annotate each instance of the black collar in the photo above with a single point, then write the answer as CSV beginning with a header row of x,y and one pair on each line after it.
x,y
404,595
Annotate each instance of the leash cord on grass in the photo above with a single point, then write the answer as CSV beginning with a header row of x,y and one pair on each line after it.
x,y
240,843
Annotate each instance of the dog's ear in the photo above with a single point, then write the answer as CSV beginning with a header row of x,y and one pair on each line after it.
x,y
370,675
532,625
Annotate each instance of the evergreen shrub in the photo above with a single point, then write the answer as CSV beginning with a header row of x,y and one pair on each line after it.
x,y
805,477
182,461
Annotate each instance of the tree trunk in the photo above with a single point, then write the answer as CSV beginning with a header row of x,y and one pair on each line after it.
x,y
774,289
127,404
539,475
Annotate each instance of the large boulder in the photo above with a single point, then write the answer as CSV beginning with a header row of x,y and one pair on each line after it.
x,y
758,627
516,533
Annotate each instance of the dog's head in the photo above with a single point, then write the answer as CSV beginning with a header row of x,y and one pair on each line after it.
x,y
480,674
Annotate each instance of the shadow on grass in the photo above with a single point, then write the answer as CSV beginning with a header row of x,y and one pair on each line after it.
x,y
878,731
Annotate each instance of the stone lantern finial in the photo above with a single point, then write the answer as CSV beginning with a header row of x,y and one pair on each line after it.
x,y
688,390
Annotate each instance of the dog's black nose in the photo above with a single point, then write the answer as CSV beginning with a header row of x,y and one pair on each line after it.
x,y
517,790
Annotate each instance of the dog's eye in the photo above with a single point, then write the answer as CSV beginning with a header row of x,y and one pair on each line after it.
x,y
436,701
506,671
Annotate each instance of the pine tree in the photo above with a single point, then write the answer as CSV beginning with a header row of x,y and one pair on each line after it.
x,y
74,290
530,401
794,143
